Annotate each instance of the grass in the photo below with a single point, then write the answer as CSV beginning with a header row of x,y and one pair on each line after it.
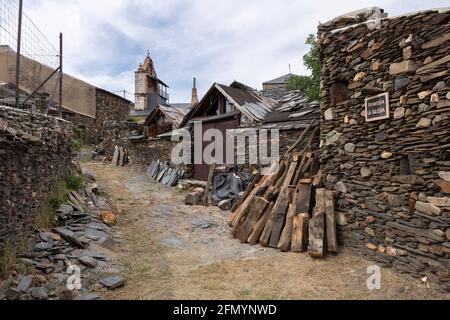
x,y
58,195
45,219
8,259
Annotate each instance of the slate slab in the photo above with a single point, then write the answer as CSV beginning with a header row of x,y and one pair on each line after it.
x,y
113,282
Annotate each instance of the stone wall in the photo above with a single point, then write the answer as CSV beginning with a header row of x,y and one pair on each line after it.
x,y
392,176
35,153
109,108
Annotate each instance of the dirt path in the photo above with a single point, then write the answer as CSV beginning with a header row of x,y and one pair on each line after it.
x,y
173,251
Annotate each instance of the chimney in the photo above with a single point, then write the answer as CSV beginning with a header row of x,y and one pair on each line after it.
x,y
194,100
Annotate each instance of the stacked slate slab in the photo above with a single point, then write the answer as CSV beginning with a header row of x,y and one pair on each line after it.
x,y
392,175
160,171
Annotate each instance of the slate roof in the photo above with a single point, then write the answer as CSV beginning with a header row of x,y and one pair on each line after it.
x,y
293,111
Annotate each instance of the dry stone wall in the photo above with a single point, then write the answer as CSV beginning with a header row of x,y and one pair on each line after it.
x,y
392,176
35,153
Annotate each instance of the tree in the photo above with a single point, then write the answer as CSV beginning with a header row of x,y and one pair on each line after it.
x,y
309,85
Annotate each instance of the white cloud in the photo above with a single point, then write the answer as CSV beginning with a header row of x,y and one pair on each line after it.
x,y
216,41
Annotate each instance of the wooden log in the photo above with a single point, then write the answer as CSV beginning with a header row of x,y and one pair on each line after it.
x,y
332,244
259,226
300,233
316,246
279,216
253,217
212,168
286,236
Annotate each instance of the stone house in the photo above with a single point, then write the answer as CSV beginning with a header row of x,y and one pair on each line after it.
x,y
280,83
385,120
165,119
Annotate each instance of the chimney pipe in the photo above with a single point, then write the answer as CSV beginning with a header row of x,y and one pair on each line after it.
x,y
194,100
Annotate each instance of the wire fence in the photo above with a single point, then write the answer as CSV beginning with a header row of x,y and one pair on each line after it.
x,y
40,59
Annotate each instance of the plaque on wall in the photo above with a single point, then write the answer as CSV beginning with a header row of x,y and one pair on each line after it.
x,y
377,107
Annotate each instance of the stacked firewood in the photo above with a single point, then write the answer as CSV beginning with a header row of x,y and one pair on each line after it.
x,y
281,211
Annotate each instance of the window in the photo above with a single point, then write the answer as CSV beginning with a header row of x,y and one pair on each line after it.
x,y
407,166
229,107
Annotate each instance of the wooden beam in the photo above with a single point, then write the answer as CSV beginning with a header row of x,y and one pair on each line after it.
x,y
300,233
316,247
279,216
286,236
259,227
252,218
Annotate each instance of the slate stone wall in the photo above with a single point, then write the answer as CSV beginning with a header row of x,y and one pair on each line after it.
x,y
35,153
392,176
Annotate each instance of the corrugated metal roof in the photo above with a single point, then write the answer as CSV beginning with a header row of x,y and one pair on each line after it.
x,y
175,113
249,102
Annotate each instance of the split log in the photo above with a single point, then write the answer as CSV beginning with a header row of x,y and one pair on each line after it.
x,y
332,244
253,216
259,227
279,216
316,247
212,168
317,182
300,233
286,236
115,158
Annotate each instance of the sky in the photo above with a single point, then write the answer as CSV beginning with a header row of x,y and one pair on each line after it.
x,y
250,41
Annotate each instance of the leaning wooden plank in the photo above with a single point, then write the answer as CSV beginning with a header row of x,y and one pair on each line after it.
x,y
115,158
212,168
332,245
300,139
252,218
286,236
316,247
247,193
237,216
284,200
300,233
304,199
290,174
259,226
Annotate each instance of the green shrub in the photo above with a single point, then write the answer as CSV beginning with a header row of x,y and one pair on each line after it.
x,y
74,182
78,132
76,145
46,218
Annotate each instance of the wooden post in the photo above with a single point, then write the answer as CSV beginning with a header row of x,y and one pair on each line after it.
x,y
316,247
259,227
300,233
332,244
212,168
254,215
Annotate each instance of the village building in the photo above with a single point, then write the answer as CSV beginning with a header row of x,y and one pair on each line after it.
x,y
86,106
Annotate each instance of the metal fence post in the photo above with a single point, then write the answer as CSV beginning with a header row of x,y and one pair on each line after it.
x,y
19,40
60,74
